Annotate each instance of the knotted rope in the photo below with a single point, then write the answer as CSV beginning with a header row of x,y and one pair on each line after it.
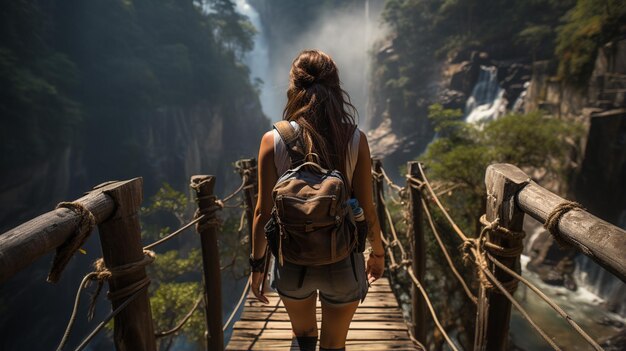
x,y
554,218
102,274
65,251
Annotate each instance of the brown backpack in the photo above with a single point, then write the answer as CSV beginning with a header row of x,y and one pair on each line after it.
x,y
315,223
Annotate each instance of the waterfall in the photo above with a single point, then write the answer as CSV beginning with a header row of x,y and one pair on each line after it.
x,y
258,60
487,101
600,282
520,104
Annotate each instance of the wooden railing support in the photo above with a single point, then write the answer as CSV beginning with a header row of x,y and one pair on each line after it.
x,y
379,196
204,186
418,304
501,195
120,238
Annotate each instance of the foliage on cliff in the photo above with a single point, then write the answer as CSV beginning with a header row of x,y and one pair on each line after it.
x,y
425,32
588,25
463,151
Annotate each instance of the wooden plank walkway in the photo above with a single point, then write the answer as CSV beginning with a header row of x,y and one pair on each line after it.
x,y
377,324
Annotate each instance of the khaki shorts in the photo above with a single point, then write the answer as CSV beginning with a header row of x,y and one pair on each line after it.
x,y
338,283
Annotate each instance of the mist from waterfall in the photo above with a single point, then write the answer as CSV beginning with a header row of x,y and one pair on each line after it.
x,y
487,101
258,61
346,34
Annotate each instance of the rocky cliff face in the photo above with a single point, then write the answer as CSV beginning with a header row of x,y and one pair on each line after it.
x,y
168,145
600,182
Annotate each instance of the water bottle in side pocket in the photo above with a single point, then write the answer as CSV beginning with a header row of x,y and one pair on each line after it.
x,y
361,224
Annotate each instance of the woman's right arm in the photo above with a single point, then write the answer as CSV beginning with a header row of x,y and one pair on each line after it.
x,y
362,186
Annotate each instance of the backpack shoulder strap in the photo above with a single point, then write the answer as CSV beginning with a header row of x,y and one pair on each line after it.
x,y
291,138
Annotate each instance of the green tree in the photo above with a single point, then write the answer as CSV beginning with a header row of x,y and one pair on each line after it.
x,y
588,25
456,160
176,274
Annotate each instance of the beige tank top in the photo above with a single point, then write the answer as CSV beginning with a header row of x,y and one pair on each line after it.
x,y
281,157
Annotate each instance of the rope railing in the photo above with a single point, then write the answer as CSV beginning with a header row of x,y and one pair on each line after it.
x,y
437,236
102,273
246,289
183,321
406,265
549,301
480,249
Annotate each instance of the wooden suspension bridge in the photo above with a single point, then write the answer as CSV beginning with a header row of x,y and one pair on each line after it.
x,y
378,323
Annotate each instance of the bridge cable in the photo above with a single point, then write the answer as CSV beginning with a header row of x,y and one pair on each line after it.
x,y
488,278
468,292
183,321
106,320
521,309
426,183
549,301
406,264
241,299
101,274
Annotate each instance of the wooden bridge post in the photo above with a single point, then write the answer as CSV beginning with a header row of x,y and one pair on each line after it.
x,y
418,303
379,195
120,237
502,188
248,169
203,186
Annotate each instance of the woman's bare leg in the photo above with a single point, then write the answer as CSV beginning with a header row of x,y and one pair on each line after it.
x,y
335,323
302,315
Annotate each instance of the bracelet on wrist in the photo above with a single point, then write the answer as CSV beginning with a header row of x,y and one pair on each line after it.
x,y
257,265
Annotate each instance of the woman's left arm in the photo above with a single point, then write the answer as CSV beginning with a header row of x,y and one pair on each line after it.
x,y
267,177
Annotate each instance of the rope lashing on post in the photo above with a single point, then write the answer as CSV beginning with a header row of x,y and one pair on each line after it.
x,y
483,252
84,227
198,217
482,247
383,176
208,217
552,222
101,274
506,292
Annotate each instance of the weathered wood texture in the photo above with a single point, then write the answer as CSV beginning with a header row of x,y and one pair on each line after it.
x,y
501,191
598,239
120,238
418,304
211,265
21,246
377,324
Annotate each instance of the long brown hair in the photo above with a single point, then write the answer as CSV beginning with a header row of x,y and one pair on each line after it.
x,y
316,101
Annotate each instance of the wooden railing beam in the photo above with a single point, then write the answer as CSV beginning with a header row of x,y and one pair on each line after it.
x,y
24,244
603,242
